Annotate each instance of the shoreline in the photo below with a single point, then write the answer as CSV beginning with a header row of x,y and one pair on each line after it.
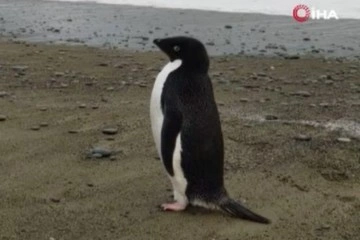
x,y
238,11
133,27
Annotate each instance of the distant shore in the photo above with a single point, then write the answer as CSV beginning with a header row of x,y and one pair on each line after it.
x,y
131,27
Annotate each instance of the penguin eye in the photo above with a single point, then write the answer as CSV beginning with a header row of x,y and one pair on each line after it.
x,y
176,48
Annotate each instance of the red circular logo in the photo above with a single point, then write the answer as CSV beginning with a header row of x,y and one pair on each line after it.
x,y
301,8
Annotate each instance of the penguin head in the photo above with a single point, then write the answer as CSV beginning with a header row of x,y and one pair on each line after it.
x,y
190,51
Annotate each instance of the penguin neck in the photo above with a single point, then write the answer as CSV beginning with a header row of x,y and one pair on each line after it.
x,y
196,66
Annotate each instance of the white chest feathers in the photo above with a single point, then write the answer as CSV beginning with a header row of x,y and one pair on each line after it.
x,y
156,114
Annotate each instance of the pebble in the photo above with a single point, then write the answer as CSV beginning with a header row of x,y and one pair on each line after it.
x,y
43,109
344,140
110,89
261,74
64,85
302,137
98,152
244,100
2,118
83,105
110,131
324,104
35,128
301,93
20,68
271,117
3,94
73,131
103,64
55,200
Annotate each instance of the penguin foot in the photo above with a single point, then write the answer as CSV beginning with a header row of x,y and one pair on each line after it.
x,y
175,206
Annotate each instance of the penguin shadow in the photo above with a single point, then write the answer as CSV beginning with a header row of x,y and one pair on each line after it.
x,y
204,212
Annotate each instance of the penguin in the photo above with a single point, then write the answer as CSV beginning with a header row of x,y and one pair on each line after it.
x,y
187,132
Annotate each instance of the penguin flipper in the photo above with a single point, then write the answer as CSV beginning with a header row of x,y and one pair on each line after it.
x,y
169,132
235,209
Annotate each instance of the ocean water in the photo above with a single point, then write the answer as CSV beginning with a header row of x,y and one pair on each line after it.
x,y
343,8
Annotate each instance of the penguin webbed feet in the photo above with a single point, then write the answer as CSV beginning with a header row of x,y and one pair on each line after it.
x,y
173,206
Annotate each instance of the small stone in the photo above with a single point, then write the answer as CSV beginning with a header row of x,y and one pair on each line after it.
x,y
110,131
302,137
64,85
344,140
228,27
20,68
35,128
73,131
324,104
271,117
113,158
261,74
101,151
95,107
43,109
2,118
110,89
301,93
55,200
104,64
244,100
83,105
90,185
306,39
3,94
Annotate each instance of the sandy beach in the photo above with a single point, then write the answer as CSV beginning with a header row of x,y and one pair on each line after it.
x,y
291,130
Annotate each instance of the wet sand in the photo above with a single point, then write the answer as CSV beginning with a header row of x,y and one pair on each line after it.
x,y
124,27
308,186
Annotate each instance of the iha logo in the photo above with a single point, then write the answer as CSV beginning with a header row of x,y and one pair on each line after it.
x,y
302,13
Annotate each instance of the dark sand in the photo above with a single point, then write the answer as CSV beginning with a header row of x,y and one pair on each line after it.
x,y
309,189
50,190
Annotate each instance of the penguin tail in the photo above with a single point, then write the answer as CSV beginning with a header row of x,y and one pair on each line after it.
x,y
237,210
